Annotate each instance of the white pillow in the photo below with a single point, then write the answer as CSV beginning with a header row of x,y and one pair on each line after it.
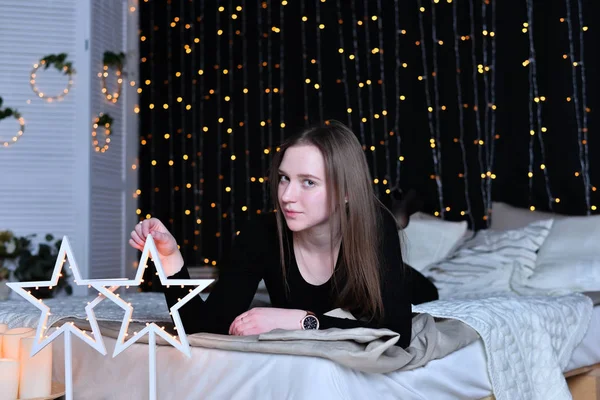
x,y
486,263
569,259
505,216
427,239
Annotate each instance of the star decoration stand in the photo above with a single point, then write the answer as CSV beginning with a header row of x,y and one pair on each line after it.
x,y
68,329
106,288
151,329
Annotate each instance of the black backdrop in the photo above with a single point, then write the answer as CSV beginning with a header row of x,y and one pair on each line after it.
x,y
491,95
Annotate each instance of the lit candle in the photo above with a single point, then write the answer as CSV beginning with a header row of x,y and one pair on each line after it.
x,y
3,328
11,341
35,378
9,379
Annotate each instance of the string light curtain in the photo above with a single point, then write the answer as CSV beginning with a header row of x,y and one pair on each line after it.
x,y
465,101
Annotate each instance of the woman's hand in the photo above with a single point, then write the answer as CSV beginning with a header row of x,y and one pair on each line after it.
x,y
260,320
168,252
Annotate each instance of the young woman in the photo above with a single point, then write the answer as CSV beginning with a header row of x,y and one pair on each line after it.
x,y
331,244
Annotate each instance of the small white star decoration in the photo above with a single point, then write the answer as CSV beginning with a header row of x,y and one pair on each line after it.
x,y
42,340
152,329
106,287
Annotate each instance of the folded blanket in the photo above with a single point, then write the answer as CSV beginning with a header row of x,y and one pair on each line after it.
x,y
362,349
528,340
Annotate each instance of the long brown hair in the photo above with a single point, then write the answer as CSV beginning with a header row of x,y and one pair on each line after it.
x,y
347,176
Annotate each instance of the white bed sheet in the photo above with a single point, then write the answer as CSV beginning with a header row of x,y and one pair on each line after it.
x,y
219,374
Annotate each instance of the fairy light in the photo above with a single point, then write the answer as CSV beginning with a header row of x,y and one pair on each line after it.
x,y
231,208
170,118
461,119
343,60
269,82
182,85
16,115
318,51
580,110
492,136
198,136
354,55
383,91
219,151
246,114
534,102
436,150
281,75
476,109
304,57
66,69
398,96
261,112
367,43
104,121
487,127
202,93
114,96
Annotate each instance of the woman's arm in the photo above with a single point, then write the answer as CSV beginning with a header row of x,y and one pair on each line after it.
x,y
233,292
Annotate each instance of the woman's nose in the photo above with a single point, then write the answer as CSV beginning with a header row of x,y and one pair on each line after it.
x,y
289,194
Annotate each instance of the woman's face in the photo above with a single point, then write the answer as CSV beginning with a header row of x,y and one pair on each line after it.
x,y
302,188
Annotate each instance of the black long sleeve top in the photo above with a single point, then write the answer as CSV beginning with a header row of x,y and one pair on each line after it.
x,y
256,256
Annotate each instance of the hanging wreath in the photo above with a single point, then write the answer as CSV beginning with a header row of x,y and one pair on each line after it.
x,y
59,61
117,62
105,121
8,113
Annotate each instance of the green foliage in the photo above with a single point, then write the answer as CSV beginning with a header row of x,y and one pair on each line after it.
x,y
59,61
8,245
39,266
8,112
116,60
104,119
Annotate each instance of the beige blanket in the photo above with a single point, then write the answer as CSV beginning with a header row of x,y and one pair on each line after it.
x,y
362,349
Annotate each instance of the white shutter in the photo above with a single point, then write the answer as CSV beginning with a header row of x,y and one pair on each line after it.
x,y
51,180
107,169
37,173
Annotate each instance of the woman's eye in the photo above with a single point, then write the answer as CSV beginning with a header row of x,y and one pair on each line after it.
x,y
309,183
282,178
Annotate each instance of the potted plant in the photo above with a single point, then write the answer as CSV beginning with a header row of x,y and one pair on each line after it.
x,y
4,290
8,252
39,265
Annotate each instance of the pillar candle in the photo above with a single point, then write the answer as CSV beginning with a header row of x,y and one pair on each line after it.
x,y
9,378
35,378
3,328
11,339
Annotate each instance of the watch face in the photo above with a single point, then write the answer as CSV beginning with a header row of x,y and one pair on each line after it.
x,y
310,322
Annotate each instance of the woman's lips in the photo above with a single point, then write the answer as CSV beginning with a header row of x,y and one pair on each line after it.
x,y
291,214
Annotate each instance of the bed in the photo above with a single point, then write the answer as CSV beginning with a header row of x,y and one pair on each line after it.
x,y
214,373
516,267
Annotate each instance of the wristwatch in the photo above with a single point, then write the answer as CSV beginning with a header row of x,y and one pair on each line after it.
x,y
310,321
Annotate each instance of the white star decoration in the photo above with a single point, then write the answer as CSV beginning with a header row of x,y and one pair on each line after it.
x,y
151,329
183,344
106,287
69,328
19,287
